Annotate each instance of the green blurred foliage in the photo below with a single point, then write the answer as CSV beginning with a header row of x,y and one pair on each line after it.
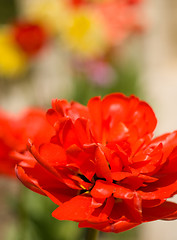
x,y
126,81
8,11
35,222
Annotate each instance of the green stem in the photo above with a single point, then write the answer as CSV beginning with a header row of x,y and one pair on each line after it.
x,y
22,214
91,234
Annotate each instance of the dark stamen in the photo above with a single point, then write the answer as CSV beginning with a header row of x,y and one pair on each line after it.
x,y
84,178
98,178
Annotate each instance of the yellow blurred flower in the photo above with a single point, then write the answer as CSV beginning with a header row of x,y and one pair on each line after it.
x,y
83,33
12,60
79,29
50,13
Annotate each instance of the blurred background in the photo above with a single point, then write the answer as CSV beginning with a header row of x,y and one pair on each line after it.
x,y
76,49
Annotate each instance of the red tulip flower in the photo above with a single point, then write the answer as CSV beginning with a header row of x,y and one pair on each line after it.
x,y
14,133
30,37
102,166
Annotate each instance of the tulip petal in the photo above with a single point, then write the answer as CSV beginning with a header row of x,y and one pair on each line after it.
x,y
82,131
164,188
94,107
169,142
102,168
170,165
77,209
123,193
166,211
52,116
80,109
27,181
132,111
53,154
102,189
117,227
42,161
134,206
82,160
120,226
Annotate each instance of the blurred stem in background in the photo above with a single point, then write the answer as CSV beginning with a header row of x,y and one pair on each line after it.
x,y
91,234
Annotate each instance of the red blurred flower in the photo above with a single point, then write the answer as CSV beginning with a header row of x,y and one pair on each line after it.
x,y
14,133
30,37
103,167
77,3
120,18
133,1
